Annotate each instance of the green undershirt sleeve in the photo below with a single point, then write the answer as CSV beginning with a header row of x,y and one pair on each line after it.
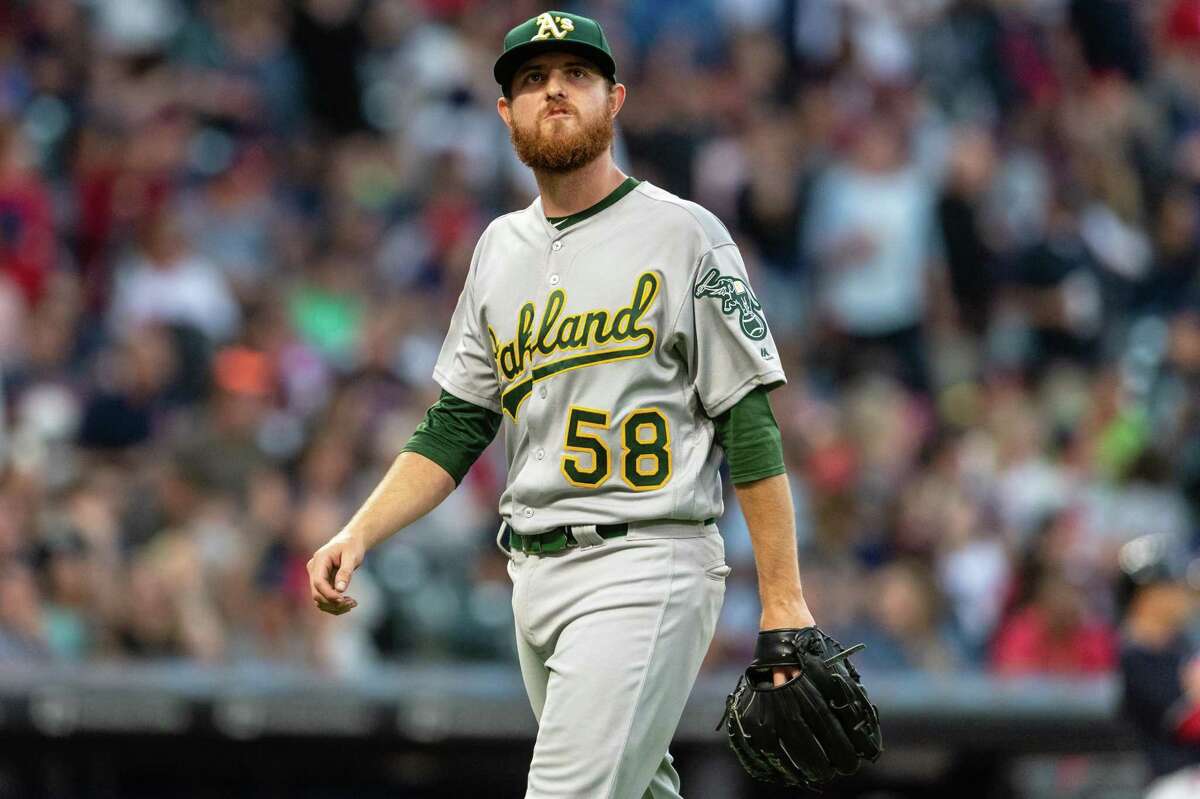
x,y
751,439
453,434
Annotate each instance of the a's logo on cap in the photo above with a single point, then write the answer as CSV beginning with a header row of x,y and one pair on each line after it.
x,y
548,26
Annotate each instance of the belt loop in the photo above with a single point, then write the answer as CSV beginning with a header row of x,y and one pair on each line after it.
x,y
501,540
586,535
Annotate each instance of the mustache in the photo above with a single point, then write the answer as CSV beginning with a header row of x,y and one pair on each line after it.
x,y
566,151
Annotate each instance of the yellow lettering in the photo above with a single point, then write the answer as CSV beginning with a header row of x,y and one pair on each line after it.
x,y
558,331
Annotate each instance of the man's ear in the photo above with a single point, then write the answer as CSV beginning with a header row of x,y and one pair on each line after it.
x,y
616,98
504,109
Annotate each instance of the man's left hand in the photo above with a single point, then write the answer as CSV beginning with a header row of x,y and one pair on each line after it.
x,y
797,616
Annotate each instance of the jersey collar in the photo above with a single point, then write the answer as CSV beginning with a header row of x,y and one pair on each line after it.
x,y
563,222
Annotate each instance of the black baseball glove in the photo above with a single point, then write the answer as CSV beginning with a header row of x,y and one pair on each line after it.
x,y
813,727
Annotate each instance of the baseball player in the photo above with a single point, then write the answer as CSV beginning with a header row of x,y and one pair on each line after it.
x,y
610,330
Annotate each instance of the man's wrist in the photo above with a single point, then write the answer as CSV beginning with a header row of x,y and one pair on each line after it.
x,y
353,535
793,612
783,599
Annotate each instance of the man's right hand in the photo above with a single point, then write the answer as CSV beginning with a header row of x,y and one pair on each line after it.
x,y
329,572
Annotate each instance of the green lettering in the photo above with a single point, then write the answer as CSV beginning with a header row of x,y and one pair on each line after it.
x,y
524,334
554,306
625,322
557,331
568,334
599,320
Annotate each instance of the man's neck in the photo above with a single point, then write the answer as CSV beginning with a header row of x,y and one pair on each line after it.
x,y
569,193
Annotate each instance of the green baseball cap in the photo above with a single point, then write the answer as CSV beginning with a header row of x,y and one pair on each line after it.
x,y
554,30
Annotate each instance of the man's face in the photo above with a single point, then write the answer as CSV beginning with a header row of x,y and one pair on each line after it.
x,y
561,112
1180,603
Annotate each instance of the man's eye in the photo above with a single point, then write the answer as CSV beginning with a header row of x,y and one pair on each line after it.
x,y
532,76
577,72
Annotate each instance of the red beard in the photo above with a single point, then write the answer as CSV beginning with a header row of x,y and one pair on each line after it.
x,y
561,151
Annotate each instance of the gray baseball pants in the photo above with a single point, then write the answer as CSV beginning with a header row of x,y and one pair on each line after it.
x,y
610,638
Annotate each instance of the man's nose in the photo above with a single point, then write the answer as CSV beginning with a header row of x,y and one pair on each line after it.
x,y
555,84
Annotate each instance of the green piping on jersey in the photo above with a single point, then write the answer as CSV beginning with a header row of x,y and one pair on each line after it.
x,y
513,357
564,222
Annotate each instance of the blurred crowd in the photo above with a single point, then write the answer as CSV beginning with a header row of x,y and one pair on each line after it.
x,y
232,234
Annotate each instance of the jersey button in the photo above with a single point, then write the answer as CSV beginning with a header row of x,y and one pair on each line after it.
x,y
554,280
542,392
541,453
556,246
528,512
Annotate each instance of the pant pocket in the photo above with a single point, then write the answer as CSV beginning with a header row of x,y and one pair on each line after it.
x,y
717,570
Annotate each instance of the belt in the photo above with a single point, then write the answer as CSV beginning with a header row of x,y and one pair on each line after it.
x,y
559,538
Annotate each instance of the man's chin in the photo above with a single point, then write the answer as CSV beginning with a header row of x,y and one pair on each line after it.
x,y
560,148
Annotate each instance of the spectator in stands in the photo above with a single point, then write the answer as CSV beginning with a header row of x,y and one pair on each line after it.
x,y
904,625
970,262
124,413
27,243
166,281
767,207
1054,633
870,233
66,577
1160,663
1174,278
22,631
327,37
1110,37
167,611
233,222
1055,285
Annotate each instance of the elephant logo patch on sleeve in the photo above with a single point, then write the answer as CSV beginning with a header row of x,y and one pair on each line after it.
x,y
735,295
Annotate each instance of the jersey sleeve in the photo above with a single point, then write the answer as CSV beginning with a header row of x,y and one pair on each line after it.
x,y
465,366
722,333
751,439
453,434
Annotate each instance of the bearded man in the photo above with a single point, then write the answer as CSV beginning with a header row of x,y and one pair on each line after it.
x,y
610,328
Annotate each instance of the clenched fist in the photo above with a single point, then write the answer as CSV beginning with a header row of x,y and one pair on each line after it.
x,y
329,572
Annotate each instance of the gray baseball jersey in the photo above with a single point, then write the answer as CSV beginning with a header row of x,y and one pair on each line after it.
x,y
607,342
